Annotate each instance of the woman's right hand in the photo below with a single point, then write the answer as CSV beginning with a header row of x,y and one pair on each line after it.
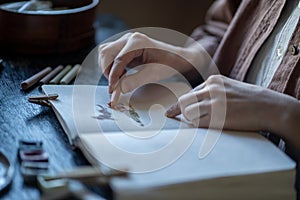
x,y
156,60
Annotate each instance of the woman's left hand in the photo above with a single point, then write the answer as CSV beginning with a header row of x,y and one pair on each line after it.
x,y
241,106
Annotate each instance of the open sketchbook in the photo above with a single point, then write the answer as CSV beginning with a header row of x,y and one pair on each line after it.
x,y
161,154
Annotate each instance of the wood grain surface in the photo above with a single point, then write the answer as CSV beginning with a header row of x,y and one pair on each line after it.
x,y
20,119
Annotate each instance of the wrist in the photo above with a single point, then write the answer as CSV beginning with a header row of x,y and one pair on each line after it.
x,y
290,122
286,119
196,56
184,59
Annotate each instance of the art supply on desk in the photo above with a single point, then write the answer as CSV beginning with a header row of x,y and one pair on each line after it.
x,y
70,75
34,156
86,174
65,189
52,186
33,145
61,74
34,160
71,182
35,78
35,165
44,97
50,76
43,100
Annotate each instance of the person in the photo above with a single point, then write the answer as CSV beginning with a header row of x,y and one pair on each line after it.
x,y
254,44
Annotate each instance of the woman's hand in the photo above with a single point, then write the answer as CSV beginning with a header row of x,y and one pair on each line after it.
x,y
248,108
156,60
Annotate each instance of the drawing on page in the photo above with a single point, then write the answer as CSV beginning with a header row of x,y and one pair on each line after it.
x,y
104,114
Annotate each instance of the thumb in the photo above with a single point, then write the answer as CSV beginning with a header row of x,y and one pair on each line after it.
x,y
146,73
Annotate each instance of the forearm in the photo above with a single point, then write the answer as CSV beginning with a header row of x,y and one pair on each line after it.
x,y
291,124
286,123
193,58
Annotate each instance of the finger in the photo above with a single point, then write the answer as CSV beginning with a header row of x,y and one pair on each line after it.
x,y
200,87
105,58
115,97
120,63
133,48
136,62
107,53
185,100
188,99
182,102
202,122
173,111
196,110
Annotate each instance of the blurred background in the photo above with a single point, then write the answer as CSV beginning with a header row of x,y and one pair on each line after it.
x,y
77,26
179,15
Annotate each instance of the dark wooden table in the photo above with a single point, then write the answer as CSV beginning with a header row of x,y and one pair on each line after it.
x,y
20,119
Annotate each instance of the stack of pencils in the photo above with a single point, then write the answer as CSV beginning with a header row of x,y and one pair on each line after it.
x,y
59,75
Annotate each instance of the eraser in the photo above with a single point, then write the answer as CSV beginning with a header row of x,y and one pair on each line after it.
x,y
30,145
34,155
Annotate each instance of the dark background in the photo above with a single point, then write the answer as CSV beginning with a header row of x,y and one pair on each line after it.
x,y
179,15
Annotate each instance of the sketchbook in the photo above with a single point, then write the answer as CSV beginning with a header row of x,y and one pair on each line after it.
x,y
162,154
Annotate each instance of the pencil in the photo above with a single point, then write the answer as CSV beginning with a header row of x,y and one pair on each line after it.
x,y
48,77
35,78
61,74
70,75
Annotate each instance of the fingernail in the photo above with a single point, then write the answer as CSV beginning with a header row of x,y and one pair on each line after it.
x,y
173,111
169,112
112,102
112,105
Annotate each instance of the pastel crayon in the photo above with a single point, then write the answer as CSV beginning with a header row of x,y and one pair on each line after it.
x,y
35,78
70,75
50,76
60,75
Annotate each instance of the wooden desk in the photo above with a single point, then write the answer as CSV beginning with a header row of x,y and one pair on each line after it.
x,y
20,119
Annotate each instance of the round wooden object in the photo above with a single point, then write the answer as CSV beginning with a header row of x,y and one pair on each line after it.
x,y
48,32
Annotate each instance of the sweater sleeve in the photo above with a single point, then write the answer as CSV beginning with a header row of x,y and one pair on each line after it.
x,y
217,21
